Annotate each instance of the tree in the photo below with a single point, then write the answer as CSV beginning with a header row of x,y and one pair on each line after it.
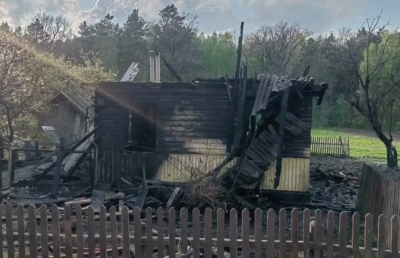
x,y
218,54
373,57
174,35
274,48
29,77
48,32
133,44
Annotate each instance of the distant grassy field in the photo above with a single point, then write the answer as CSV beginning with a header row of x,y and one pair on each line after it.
x,y
362,143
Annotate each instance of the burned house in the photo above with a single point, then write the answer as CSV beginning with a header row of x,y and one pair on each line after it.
x,y
172,131
71,115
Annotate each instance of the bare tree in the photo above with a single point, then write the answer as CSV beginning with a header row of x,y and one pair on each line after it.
x,y
372,55
276,47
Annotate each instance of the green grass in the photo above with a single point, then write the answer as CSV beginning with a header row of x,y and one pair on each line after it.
x,y
362,145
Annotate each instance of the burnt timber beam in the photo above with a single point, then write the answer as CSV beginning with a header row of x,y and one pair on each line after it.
x,y
240,111
49,168
284,105
324,87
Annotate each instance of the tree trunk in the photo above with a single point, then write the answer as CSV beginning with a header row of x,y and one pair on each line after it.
x,y
391,155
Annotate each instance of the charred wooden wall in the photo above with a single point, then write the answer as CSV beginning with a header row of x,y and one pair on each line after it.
x,y
189,118
67,121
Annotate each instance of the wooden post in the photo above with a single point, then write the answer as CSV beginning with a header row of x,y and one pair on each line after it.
x,y
11,163
60,158
282,122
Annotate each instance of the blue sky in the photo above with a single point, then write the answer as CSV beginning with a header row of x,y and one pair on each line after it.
x,y
320,16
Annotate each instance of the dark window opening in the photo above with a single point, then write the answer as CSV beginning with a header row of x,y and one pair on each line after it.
x,y
142,128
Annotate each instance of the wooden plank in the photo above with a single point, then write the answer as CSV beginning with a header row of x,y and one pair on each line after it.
x,y
137,232
355,240
160,230
270,233
306,233
343,235
240,112
330,230
149,232
43,231
21,232
68,231
318,234
9,228
245,233
1,214
233,233
208,232
125,233
394,236
294,234
368,236
220,232
113,232
90,229
258,233
56,232
103,233
171,234
258,94
282,233
79,231
196,233
264,102
381,236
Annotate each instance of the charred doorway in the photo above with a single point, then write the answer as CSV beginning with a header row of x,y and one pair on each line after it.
x,y
142,128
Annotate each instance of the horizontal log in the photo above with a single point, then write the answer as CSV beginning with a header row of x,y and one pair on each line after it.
x,y
191,150
163,134
193,123
189,145
193,106
200,129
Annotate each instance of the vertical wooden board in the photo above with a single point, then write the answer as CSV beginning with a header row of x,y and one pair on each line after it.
x,y
343,235
113,231
184,231
355,238
137,232
43,231
271,233
294,234
381,236
1,226
68,231
196,233
233,222
318,234
21,231
149,233
91,239
220,232
208,233
55,221
282,233
79,231
368,236
103,232
330,230
10,231
258,233
245,233
126,243
160,230
394,236
171,233
306,233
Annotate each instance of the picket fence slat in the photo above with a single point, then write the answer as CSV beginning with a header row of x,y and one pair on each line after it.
x,y
330,146
185,238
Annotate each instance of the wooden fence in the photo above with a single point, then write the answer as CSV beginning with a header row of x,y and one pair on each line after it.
x,y
82,232
330,146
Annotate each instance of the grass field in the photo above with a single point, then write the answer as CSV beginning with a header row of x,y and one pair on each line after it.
x,y
363,143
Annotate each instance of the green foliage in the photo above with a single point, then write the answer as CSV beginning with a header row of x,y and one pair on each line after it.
x,y
219,54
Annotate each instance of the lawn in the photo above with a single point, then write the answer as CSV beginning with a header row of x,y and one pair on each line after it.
x,y
363,144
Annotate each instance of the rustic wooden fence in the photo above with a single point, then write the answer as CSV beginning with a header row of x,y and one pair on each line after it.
x,y
330,146
82,232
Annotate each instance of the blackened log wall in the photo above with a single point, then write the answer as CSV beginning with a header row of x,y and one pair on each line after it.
x,y
190,118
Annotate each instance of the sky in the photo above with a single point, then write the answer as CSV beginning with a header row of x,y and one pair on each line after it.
x,y
320,16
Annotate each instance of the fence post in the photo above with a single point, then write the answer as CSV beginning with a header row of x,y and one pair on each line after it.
x,y
11,163
56,179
